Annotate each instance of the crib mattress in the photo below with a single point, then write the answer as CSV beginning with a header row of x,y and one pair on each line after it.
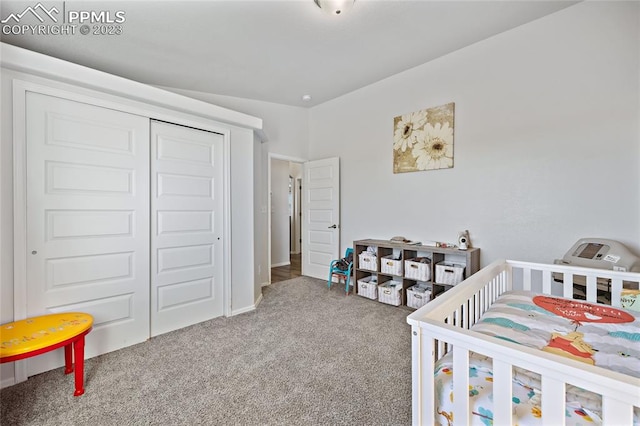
x,y
591,333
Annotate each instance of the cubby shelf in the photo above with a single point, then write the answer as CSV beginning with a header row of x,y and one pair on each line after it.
x,y
470,258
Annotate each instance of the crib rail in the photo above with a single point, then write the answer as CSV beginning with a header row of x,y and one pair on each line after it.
x,y
443,325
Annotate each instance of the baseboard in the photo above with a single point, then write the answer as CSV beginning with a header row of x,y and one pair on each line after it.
x,y
248,308
287,263
243,310
5,383
258,301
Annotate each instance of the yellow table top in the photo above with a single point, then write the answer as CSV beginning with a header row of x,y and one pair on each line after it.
x,y
35,333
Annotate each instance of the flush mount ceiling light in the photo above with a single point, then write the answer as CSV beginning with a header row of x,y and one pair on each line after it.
x,y
335,7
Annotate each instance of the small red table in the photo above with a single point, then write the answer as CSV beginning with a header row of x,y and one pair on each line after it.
x,y
38,335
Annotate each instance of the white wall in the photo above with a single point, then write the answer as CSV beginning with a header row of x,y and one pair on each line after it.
x,y
6,216
242,221
279,212
546,140
260,253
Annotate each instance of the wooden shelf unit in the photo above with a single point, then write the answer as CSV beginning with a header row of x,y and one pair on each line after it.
x,y
470,258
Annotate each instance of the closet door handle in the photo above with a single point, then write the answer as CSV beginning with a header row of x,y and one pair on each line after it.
x,y
334,226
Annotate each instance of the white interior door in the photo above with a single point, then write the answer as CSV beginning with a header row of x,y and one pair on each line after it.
x,y
320,216
186,226
87,220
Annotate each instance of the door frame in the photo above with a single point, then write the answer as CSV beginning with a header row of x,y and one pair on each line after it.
x,y
273,156
297,212
92,97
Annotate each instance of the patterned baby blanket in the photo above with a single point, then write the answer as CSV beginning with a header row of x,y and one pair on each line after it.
x,y
591,333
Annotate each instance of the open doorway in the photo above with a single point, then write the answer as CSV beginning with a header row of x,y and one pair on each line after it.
x,y
285,216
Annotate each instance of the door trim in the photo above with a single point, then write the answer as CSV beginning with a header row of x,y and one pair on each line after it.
x,y
284,158
69,92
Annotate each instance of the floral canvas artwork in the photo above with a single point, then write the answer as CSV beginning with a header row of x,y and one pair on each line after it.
x,y
423,140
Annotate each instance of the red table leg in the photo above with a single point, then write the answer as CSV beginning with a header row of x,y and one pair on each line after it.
x,y
68,359
73,335
78,349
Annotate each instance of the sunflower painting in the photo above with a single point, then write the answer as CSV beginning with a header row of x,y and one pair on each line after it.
x,y
423,140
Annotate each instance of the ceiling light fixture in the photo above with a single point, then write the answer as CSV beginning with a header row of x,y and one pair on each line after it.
x,y
335,7
306,98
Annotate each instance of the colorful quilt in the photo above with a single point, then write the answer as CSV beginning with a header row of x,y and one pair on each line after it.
x,y
591,333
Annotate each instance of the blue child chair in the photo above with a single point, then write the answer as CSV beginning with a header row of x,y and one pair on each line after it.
x,y
342,269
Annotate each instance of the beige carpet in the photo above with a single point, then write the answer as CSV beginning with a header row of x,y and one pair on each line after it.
x,y
306,356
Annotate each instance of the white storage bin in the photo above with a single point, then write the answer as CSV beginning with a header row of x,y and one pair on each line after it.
x,y
418,295
391,266
390,293
368,287
367,260
449,273
417,269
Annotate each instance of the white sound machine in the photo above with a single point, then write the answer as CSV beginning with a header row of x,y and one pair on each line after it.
x,y
600,253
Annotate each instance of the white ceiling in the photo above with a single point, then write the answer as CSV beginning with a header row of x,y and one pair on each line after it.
x,y
275,51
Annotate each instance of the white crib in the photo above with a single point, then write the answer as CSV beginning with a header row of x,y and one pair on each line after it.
x,y
443,325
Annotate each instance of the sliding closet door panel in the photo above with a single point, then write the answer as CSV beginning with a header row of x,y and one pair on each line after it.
x,y
87,220
186,226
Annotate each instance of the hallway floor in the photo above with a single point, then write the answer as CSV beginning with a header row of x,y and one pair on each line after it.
x,y
283,273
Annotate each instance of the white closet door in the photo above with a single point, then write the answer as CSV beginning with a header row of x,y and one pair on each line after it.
x,y
87,220
186,226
